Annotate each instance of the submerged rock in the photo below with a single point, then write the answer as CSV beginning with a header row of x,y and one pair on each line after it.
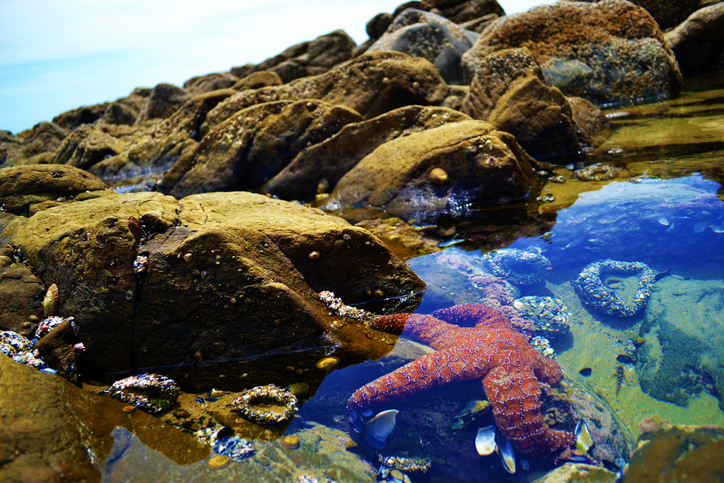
x,y
607,52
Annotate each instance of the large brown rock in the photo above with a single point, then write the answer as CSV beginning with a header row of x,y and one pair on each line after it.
x,y
437,172
607,52
163,101
509,91
24,186
253,145
307,58
210,82
698,41
319,167
370,84
459,11
229,279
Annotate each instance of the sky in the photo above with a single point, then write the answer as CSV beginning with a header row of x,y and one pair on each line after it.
x,y
59,55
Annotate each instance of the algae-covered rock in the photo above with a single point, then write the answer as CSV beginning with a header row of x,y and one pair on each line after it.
x,y
318,168
509,91
607,52
667,453
158,283
254,145
24,186
391,80
438,171
21,295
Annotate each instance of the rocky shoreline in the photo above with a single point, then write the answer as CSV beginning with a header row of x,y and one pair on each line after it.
x,y
188,231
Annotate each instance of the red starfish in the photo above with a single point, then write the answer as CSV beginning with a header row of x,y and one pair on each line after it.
x,y
509,367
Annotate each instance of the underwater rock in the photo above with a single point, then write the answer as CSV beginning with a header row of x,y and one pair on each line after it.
x,y
597,172
578,473
518,267
682,343
551,317
607,52
591,289
151,392
485,166
669,453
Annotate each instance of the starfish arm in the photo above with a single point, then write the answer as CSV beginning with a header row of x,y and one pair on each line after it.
x,y
425,328
428,371
473,314
515,397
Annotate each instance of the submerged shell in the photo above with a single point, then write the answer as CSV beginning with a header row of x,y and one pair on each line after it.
x,y
379,428
505,450
51,301
485,440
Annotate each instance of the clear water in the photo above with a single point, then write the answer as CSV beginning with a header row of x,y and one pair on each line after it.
x,y
664,209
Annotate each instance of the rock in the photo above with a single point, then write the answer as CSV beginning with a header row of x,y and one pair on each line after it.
x,y
163,101
33,146
391,80
256,80
509,91
578,473
227,279
56,349
51,430
697,42
482,164
21,295
24,186
378,24
125,110
319,167
460,11
668,366
82,115
607,52
253,145
307,58
668,14
668,453
209,82
430,36
86,146
143,150
479,24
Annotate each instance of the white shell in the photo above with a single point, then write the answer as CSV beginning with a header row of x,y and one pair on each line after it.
x,y
505,450
485,440
379,428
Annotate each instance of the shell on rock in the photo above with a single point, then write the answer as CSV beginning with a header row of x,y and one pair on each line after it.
x,y
439,177
151,392
51,301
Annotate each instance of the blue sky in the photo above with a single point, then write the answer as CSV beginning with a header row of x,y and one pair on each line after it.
x,y
59,55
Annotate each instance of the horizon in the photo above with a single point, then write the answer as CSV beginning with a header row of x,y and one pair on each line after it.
x,y
49,66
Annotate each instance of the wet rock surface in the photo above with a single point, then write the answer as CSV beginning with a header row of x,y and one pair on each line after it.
x,y
238,256
475,162
607,52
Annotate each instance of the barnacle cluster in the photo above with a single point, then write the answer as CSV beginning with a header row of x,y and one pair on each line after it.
x,y
151,392
256,404
550,316
336,304
519,267
596,295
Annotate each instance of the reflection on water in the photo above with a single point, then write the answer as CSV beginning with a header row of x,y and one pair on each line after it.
x,y
668,359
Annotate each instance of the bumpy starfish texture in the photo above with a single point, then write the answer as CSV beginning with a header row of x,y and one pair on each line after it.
x,y
492,351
